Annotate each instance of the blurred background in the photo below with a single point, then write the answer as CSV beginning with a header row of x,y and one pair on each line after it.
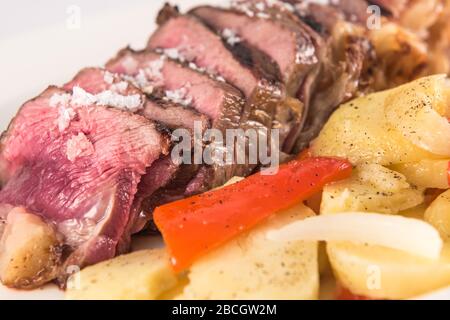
x,y
45,42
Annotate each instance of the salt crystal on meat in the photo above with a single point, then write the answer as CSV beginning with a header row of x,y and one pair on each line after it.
x,y
230,36
60,100
65,116
79,146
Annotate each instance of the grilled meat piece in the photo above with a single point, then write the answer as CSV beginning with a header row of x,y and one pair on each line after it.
x,y
76,158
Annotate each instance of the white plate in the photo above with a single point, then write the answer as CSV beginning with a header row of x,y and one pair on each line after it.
x,y
42,43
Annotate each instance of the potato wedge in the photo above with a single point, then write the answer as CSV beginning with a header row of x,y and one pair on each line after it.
x,y
29,251
253,267
416,212
383,273
425,173
438,214
372,188
140,275
360,132
418,111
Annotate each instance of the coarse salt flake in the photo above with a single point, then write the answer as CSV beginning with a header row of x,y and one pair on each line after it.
x,y
59,99
230,36
66,115
154,69
120,87
113,99
82,98
79,146
106,98
108,77
179,96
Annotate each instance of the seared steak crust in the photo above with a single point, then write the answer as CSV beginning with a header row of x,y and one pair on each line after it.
x,y
222,103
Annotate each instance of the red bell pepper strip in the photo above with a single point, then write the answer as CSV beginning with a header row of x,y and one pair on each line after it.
x,y
192,227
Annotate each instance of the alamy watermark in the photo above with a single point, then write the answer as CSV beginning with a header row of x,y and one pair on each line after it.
x,y
374,18
253,146
73,21
74,277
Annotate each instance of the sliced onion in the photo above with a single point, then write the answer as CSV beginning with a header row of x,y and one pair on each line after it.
x,y
406,234
412,110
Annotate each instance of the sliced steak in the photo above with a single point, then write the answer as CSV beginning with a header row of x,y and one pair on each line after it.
x,y
355,11
324,17
393,7
294,46
346,68
76,160
290,44
170,114
240,64
186,38
157,178
222,103
174,115
95,81
154,72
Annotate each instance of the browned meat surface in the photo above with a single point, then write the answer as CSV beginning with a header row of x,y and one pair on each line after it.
x,y
291,44
224,54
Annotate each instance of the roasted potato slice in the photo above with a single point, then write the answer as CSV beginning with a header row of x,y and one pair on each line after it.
x,y
391,127
140,275
253,267
438,214
359,131
382,273
418,110
29,251
426,173
372,188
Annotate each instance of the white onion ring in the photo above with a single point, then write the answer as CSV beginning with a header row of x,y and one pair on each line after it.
x,y
406,234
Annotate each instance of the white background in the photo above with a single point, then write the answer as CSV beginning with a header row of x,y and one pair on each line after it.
x,y
37,48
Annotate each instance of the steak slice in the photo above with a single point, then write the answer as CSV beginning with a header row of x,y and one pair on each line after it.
x,y
76,160
324,17
354,11
294,46
240,64
159,75
164,176
173,115
346,68
154,72
170,114
395,8
289,43
94,81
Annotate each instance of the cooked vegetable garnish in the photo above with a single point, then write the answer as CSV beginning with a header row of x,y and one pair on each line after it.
x,y
382,273
438,215
406,234
426,173
250,266
193,226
